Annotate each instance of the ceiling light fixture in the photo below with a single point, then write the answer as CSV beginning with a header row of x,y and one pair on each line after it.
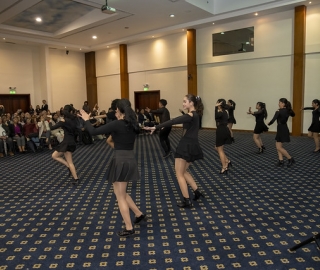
x,y
38,19
94,37
222,33
213,23
171,15
256,14
80,49
310,2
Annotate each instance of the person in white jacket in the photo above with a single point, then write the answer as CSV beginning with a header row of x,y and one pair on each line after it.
x,y
44,128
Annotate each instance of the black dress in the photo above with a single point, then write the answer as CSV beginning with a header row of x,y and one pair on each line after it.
x,y
231,118
188,148
315,124
69,127
260,126
282,115
223,135
123,167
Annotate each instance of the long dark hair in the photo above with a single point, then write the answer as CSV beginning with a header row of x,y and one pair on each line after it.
x,y
316,101
194,99
223,105
264,108
68,112
232,103
124,106
288,106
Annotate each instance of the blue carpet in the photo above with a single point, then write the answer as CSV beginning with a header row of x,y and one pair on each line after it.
x,y
247,220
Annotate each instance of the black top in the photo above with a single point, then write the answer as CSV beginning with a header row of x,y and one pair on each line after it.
x,y
282,116
164,114
12,130
221,118
259,115
315,115
69,127
122,135
190,124
231,111
44,107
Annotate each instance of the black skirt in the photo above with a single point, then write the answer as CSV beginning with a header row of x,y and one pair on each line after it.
x,y
66,147
283,134
315,127
232,120
189,150
123,167
223,135
260,128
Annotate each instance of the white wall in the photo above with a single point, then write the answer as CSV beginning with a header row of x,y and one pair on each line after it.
x,y
263,75
68,78
312,65
20,68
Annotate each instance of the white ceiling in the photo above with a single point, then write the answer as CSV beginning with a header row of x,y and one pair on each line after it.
x,y
72,23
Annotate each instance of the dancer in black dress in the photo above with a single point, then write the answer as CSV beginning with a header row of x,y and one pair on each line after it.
x,y
314,129
223,135
68,145
188,149
123,167
231,106
164,132
260,127
283,134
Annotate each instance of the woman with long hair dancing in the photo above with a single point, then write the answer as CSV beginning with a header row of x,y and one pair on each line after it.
x,y
260,127
223,135
314,129
123,167
188,149
68,144
231,106
283,135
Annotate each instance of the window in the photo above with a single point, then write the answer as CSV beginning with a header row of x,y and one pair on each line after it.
x,y
235,41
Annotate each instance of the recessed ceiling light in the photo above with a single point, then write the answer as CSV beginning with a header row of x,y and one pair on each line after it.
x,y
213,23
171,15
38,19
65,47
222,33
4,38
94,37
256,14
80,49
182,29
310,2
153,36
107,46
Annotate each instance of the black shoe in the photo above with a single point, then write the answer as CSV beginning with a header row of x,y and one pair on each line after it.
x,y
290,162
186,203
262,146
280,163
167,154
126,233
316,151
232,139
224,171
229,164
139,219
260,151
75,182
197,195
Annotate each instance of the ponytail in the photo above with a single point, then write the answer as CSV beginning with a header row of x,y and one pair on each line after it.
x,y
124,106
232,103
264,108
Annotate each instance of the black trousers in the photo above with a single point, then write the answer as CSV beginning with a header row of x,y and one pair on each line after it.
x,y
164,140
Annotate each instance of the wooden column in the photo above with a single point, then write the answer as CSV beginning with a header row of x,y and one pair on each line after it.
x,y
298,68
91,78
124,76
192,62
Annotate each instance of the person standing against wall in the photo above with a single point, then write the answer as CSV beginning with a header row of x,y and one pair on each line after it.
x,y
164,132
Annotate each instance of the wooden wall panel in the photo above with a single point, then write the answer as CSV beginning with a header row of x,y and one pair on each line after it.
x,y
192,62
298,69
91,78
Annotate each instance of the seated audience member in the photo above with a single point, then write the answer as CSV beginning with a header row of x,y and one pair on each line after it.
x,y
16,133
38,110
142,117
44,128
4,138
86,107
59,133
2,110
30,131
31,110
8,119
83,135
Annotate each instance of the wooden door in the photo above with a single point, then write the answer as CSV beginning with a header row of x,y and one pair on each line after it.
x,y
150,99
12,103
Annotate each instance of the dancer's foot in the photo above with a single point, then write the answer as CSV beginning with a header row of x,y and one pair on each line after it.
x,y
224,171
291,161
186,203
197,195
280,163
139,219
126,233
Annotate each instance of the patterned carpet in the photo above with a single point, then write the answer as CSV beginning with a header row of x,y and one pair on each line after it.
x,y
247,220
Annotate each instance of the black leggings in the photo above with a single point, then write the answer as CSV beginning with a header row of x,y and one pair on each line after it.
x,y
164,140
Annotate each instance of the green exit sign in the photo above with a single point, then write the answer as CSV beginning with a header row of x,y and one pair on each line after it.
x,y
12,91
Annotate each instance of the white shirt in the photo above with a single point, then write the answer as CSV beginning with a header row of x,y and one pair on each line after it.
x,y
2,131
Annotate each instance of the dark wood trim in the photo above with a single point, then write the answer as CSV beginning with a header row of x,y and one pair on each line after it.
x,y
124,76
298,68
192,62
91,78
